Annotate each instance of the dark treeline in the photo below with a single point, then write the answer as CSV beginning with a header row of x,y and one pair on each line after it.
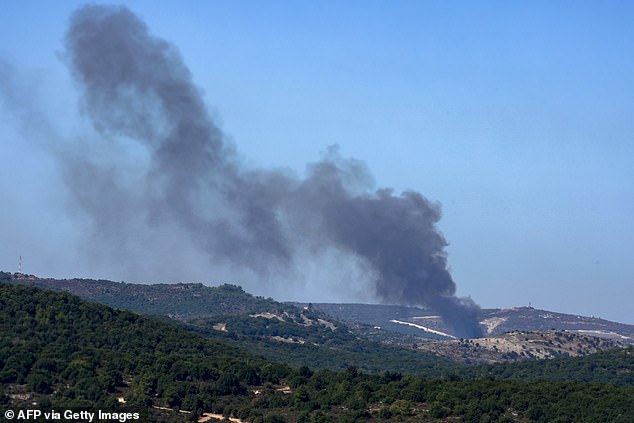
x,y
69,353
613,366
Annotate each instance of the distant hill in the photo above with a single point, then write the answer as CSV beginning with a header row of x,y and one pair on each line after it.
x,y
499,321
425,323
334,336
189,301
519,346
60,352
182,301
278,331
512,334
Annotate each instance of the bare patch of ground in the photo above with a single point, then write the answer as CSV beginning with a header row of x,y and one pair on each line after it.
x,y
213,416
222,327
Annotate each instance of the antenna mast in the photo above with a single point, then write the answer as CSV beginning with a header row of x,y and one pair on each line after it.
x,y
20,265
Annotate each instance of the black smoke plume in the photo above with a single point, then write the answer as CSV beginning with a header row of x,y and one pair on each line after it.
x,y
135,89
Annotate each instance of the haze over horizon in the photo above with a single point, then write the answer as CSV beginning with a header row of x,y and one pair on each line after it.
x,y
515,118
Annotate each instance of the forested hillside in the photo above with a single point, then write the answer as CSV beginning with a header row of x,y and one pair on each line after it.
x,y
280,332
321,348
303,333
182,301
59,351
87,354
614,366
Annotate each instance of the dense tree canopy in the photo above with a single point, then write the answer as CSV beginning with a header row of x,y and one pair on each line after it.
x,y
65,352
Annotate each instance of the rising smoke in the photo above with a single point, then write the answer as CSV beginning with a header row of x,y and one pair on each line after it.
x,y
183,180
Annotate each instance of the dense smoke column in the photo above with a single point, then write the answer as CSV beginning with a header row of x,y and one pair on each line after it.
x,y
460,314
397,235
135,87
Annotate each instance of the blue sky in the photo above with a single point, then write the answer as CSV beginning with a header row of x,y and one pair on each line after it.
x,y
515,116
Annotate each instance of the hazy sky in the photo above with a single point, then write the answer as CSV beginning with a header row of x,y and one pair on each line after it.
x,y
517,117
